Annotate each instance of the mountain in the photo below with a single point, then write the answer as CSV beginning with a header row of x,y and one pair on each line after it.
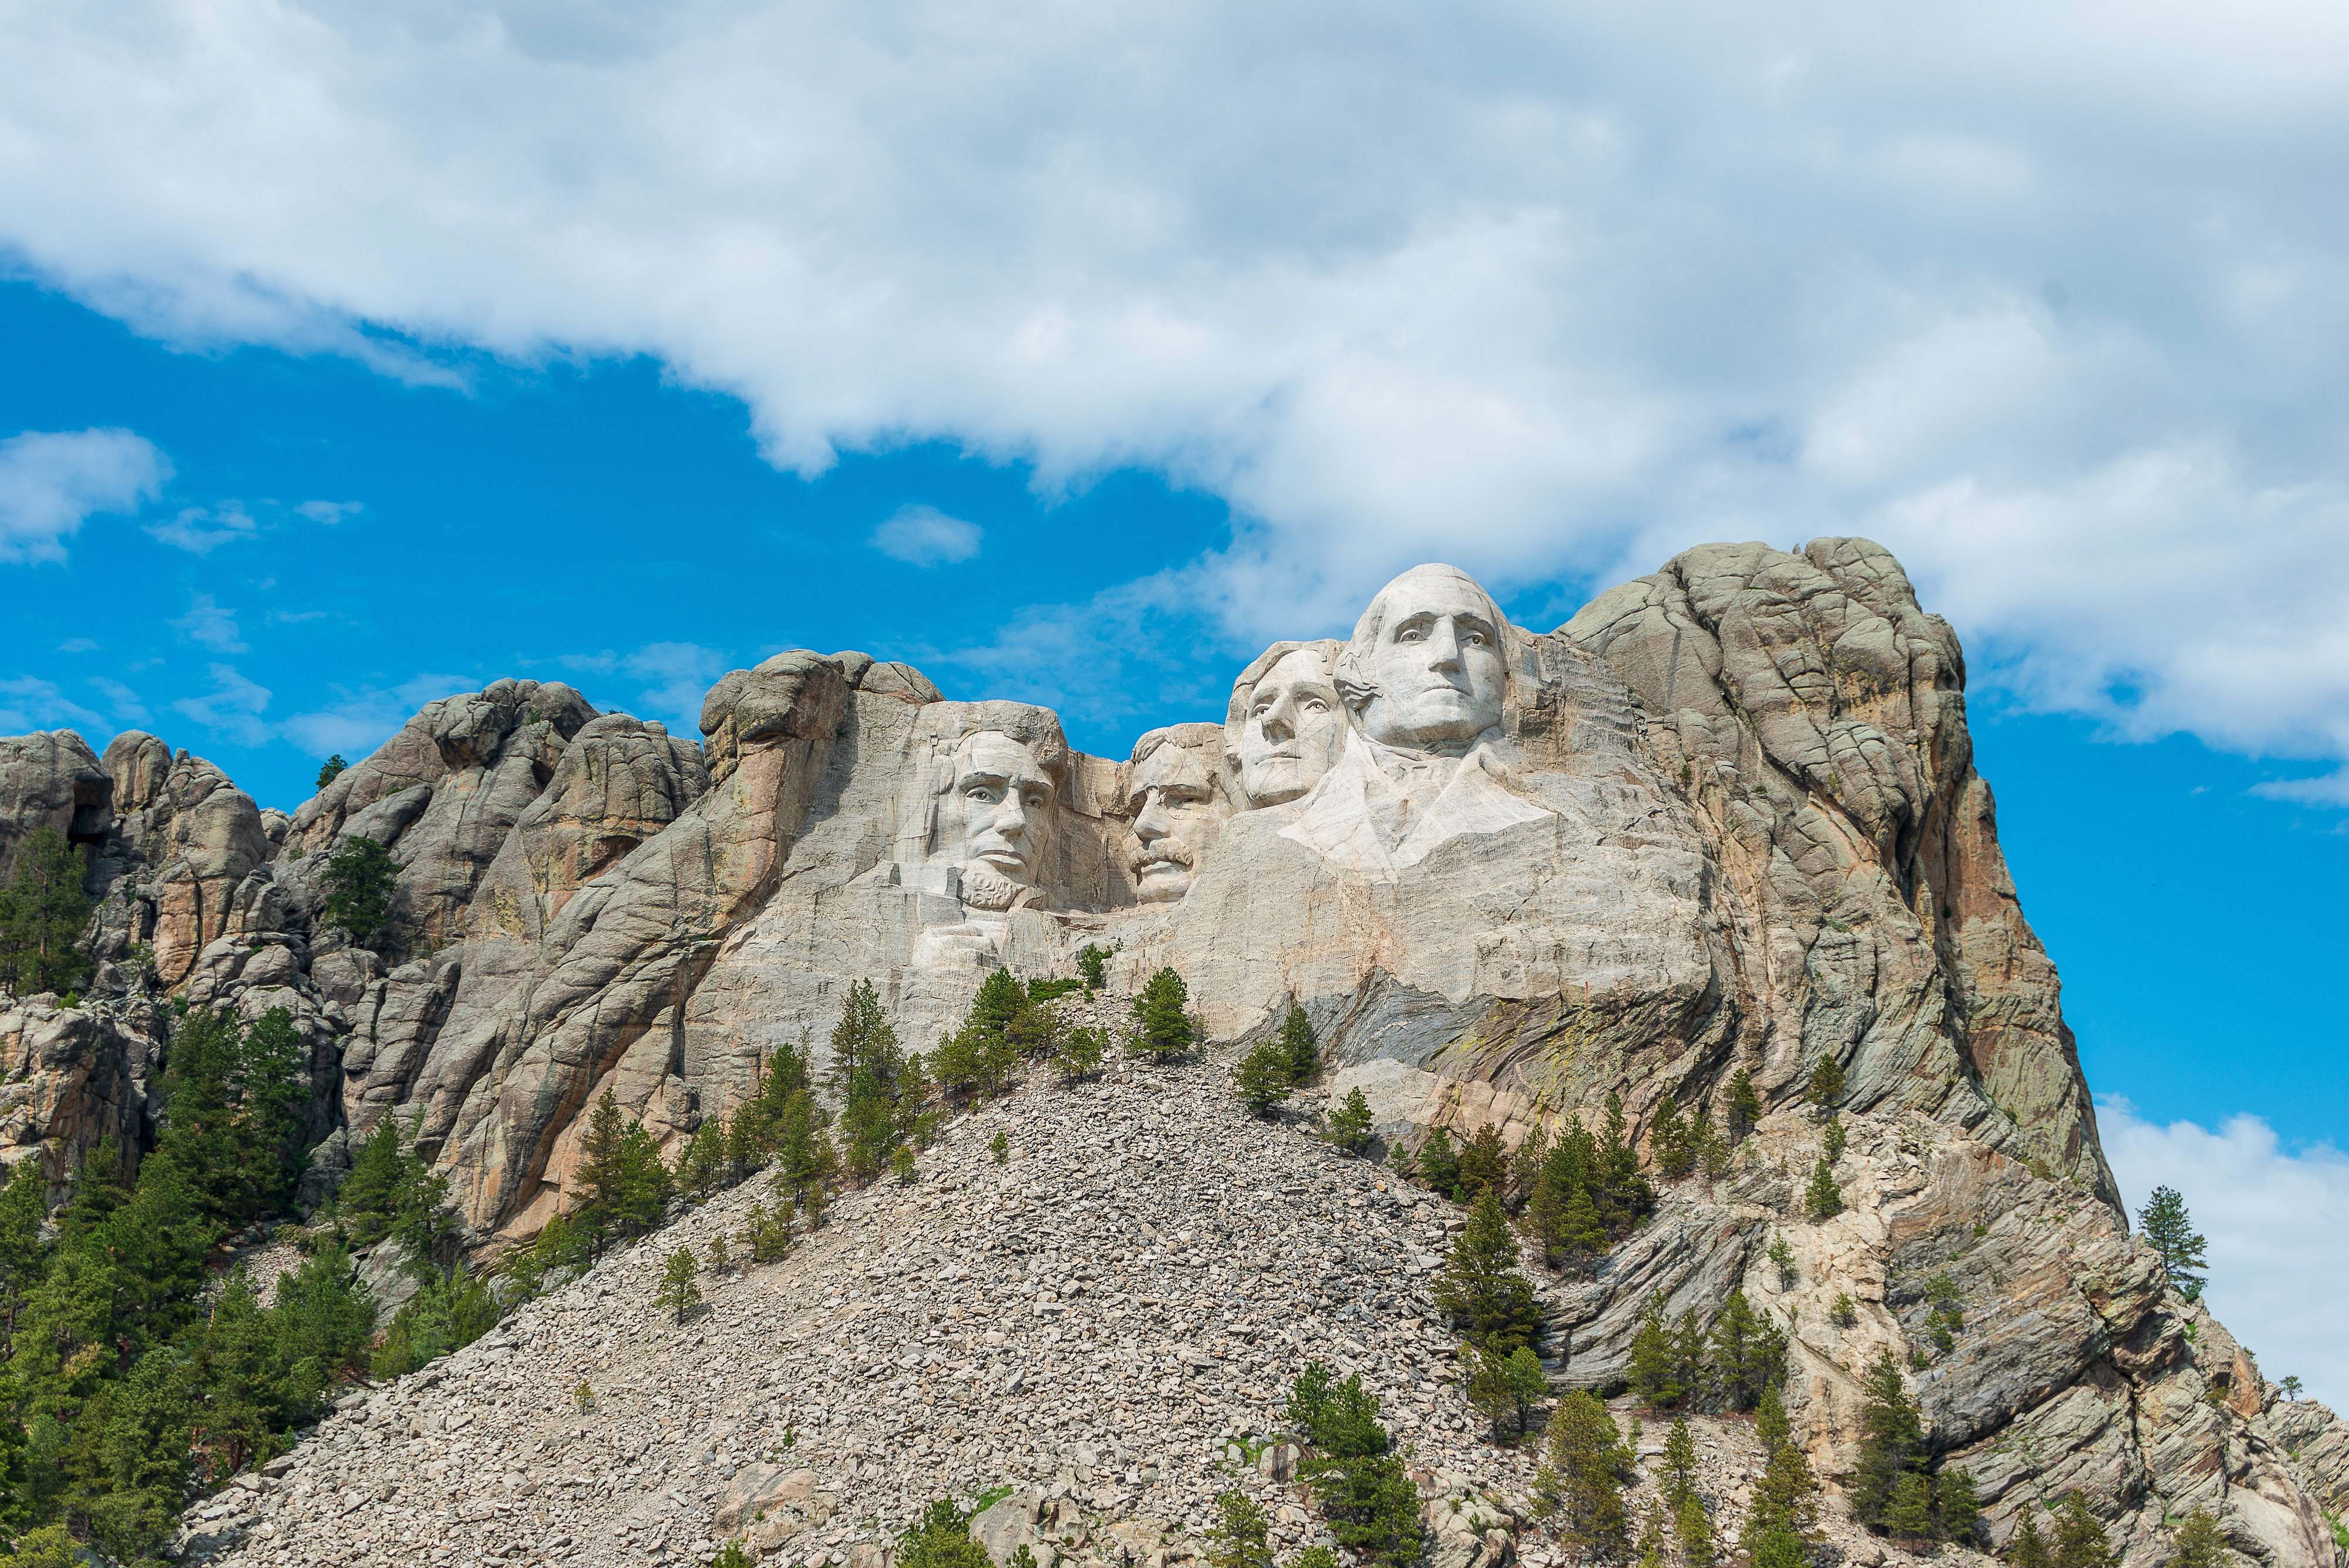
x,y
1721,827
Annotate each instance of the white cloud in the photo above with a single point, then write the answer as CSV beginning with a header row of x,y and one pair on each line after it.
x,y
231,708
926,536
330,512
50,481
200,530
211,623
28,703
2045,296
77,644
360,719
125,702
673,678
2274,1219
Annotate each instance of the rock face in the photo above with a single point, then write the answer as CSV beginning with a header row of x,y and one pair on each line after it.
x,y
1725,818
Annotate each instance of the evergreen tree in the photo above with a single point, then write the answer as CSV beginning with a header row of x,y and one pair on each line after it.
x,y
2291,1386
1358,1482
1822,1200
1679,1473
1163,1029
1439,1162
1667,1135
1262,1077
2201,1543
901,1165
1832,1145
2169,1232
1693,1528
678,1296
1349,1124
1487,1299
863,1041
447,1313
1826,1088
43,909
1910,1515
1649,1551
360,880
1891,1443
1770,1423
2027,1548
1080,1053
1241,1536
1654,1367
1483,1165
1034,1032
1773,1545
1786,1498
2080,1540
624,1182
1747,1357
1957,1509
1093,964
330,770
1744,1105
804,1158
940,1538
701,1166
1303,1051
1581,1482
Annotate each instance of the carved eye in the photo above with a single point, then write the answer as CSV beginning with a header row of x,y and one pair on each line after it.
x,y
1035,799
979,792
1410,634
1475,640
1315,705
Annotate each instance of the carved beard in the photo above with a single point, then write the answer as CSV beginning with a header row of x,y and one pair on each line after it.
x,y
985,887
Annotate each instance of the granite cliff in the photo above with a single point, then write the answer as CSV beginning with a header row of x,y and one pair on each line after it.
x,y
1724,819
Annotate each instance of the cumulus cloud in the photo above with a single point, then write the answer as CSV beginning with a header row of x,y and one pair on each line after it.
x,y
28,702
926,536
330,512
51,482
360,719
2043,295
668,679
232,707
211,623
2274,1219
200,530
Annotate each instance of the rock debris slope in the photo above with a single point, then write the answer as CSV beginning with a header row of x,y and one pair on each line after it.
x,y
1724,820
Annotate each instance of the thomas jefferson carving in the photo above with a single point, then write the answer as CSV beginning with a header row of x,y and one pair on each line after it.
x,y
1286,724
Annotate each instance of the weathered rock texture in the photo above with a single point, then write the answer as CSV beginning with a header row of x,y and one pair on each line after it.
x,y
1726,817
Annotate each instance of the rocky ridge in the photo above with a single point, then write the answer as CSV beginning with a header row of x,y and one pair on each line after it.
x,y
1727,818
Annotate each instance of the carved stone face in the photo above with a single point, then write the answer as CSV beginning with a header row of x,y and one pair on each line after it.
x,y
1430,649
1000,809
1176,820
1291,729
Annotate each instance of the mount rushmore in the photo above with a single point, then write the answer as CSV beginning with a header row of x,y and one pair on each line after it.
x,y
1724,818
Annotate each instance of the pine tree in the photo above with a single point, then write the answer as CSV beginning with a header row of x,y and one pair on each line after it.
x,y
1487,1299
1484,1164
678,1294
2201,1543
1910,1515
1241,1536
1304,1051
43,909
1439,1162
1747,1357
2080,1540
701,1168
940,1538
1358,1482
360,879
1093,964
1677,1475
1693,1528
1957,1509
1833,1144
1826,1088
1350,1125
1163,1029
1528,1383
1080,1053
1262,1078
330,770
1648,1551
2169,1232
1770,1423
1581,1482
1668,1134
2027,1548
1787,1495
1891,1444
1744,1105
1653,1370
1822,1200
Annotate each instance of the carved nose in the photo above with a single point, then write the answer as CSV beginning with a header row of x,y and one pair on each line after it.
x,y
1011,818
1443,647
1279,720
1151,824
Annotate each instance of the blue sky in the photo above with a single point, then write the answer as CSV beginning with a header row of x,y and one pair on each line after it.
x,y
351,355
